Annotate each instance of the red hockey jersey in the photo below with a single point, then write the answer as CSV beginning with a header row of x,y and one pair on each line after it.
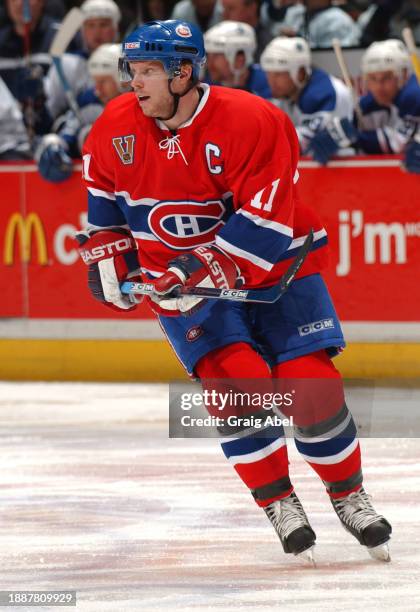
x,y
227,176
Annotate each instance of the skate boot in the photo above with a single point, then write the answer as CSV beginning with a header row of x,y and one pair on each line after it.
x,y
291,524
358,516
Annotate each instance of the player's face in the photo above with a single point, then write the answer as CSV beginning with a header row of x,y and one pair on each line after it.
x,y
106,88
218,67
204,7
97,32
15,10
150,84
156,9
239,10
281,84
383,86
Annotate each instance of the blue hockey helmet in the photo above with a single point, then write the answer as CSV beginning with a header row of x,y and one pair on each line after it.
x,y
170,42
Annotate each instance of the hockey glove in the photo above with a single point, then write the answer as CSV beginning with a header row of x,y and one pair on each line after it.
x,y
337,134
54,163
412,155
202,267
111,256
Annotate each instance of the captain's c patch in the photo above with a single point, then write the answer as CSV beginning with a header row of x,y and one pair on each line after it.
x,y
124,146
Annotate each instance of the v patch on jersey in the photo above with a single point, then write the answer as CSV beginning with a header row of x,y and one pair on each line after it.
x,y
124,146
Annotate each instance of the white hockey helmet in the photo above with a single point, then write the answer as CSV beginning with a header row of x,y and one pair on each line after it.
x,y
386,55
231,38
105,9
104,61
285,54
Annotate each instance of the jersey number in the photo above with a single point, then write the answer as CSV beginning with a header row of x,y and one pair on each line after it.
x,y
86,164
256,201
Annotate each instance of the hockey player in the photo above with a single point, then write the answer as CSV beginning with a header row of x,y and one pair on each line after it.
x,y
195,185
319,104
391,108
55,150
100,26
230,48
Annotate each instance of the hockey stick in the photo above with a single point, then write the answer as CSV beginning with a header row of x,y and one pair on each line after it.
x,y
265,296
68,28
408,37
347,79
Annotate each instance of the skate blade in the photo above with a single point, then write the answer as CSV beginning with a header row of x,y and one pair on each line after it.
x,y
380,553
307,556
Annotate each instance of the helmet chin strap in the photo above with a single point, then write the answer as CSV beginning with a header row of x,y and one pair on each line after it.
x,y
176,98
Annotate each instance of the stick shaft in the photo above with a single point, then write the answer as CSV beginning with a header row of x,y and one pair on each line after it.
x,y
68,28
408,37
347,79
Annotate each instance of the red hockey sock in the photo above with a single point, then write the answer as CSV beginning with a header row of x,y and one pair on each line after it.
x,y
237,360
325,433
261,462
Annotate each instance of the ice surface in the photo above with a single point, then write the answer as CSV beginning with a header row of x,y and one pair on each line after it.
x,y
96,498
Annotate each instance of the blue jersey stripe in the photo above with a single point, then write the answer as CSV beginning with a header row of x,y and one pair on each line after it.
x,y
263,242
104,212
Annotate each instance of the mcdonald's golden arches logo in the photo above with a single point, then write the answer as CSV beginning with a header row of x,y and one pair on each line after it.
x,y
25,228
124,146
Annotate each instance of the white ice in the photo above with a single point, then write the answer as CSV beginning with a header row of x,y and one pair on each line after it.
x,y
96,498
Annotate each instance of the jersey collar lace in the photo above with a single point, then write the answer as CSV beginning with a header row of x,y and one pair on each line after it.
x,y
171,143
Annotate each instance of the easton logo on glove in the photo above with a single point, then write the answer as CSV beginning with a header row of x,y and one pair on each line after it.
x,y
208,256
96,253
203,267
112,257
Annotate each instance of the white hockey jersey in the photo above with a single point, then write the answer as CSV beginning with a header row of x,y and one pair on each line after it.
x,y
387,129
76,71
323,97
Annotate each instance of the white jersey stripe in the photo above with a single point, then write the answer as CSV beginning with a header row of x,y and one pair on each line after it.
x,y
144,235
139,202
101,194
297,242
267,223
230,248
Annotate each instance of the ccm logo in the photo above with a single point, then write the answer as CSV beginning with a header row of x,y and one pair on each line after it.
x,y
105,249
316,326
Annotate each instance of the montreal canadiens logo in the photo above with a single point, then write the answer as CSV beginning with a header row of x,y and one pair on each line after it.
x,y
194,333
184,31
186,225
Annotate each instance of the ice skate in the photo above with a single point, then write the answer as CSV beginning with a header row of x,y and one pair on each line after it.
x,y
291,524
358,516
